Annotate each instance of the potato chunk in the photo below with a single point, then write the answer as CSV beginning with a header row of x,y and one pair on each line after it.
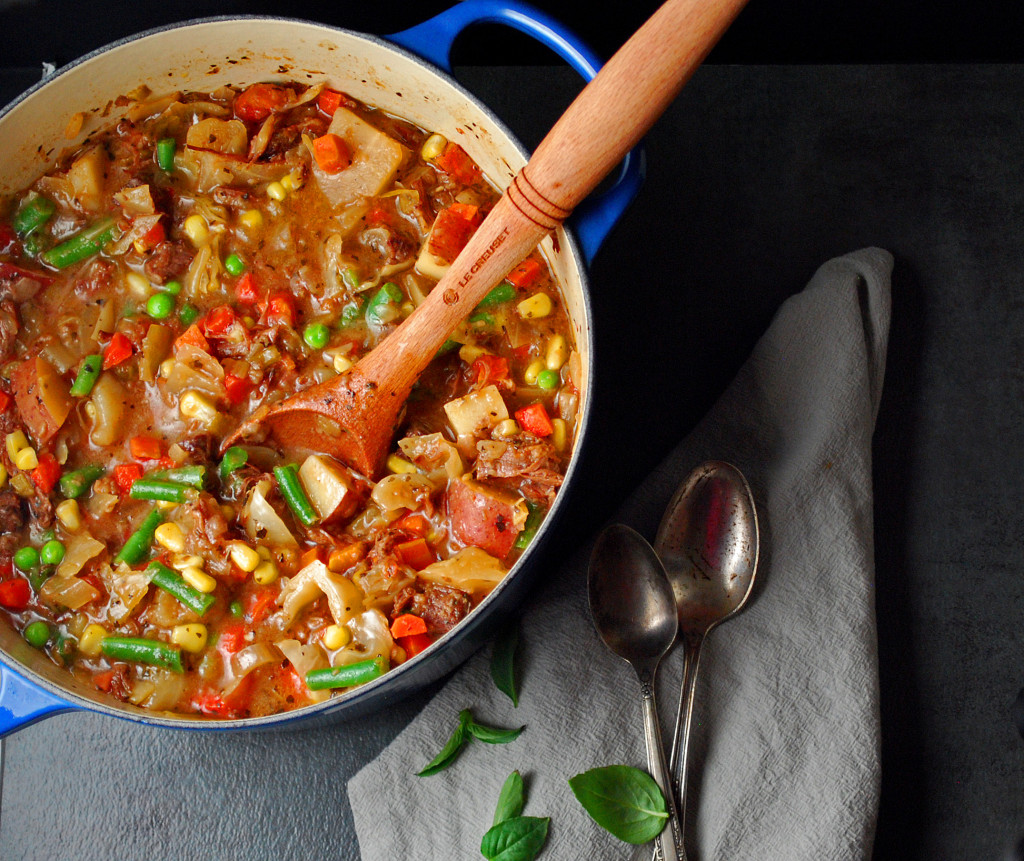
x,y
484,516
477,411
330,488
375,159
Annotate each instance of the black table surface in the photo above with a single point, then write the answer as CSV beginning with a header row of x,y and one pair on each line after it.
x,y
756,176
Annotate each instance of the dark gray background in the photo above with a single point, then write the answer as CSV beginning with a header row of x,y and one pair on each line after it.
x,y
756,176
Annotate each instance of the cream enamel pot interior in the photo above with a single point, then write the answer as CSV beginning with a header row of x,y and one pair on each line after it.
x,y
203,55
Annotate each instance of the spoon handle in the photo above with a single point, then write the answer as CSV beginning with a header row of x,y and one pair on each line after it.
x,y
679,759
667,845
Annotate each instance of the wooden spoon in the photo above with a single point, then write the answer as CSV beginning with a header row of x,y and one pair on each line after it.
x,y
353,416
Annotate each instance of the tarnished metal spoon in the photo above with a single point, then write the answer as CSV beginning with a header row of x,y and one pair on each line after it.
x,y
708,542
635,614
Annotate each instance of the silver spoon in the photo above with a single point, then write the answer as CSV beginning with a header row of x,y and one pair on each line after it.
x,y
708,542
635,614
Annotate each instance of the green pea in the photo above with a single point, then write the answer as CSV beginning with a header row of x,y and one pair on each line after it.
x,y
26,558
160,305
316,335
547,379
52,553
188,314
38,634
235,608
233,263
172,287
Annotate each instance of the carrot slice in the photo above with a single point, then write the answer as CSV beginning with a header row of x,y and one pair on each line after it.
x,y
332,153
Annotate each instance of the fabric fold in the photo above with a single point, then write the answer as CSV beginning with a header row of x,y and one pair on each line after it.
x,y
785,753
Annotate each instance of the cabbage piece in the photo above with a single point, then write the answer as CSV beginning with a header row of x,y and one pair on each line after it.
x,y
195,369
160,691
136,201
248,659
375,159
371,638
263,522
126,587
344,598
433,454
78,550
70,592
211,170
471,569
221,136
303,659
86,176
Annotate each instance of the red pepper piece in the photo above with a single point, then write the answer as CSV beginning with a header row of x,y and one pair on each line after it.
x,y
218,321
452,229
47,473
118,350
415,644
125,475
15,594
145,448
489,369
245,289
534,419
280,309
236,388
455,162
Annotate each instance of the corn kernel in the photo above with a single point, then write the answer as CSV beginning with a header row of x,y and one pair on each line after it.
x,y
469,353
506,428
263,552
22,485
295,180
536,306
399,464
433,146
244,557
198,407
166,505
559,434
69,514
170,536
138,286
182,561
197,578
532,371
26,459
16,442
251,219
196,230
276,191
3,475
91,641
191,637
265,573
288,182
557,352
336,637
167,367
342,363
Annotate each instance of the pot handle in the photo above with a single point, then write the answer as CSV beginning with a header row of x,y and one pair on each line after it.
x,y
433,39
23,703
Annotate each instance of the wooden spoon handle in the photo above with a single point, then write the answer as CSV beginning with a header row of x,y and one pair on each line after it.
x,y
605,121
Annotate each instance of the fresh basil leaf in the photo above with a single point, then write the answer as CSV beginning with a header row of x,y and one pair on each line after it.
x,y
517,839
503,662
493,734
623,800
511,799
451,749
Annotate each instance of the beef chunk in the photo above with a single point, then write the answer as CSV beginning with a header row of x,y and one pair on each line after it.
x,y
169,259
12,520
441,607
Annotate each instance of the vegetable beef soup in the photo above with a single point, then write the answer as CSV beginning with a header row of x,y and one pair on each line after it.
x,y
208,254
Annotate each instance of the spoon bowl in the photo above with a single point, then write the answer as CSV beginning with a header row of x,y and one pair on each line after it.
x,y
634,612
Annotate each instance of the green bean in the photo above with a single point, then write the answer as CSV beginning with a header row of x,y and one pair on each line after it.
x,y
383,306
82,245
143,651
344,677
504,292
352,312
291,489
174,584
447,347
88,374
482,318
193,476
159,491
77,482
34,213
136,547
533,521
165,148
234,458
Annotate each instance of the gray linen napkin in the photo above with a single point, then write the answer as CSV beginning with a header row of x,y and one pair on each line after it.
x,y
786,746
